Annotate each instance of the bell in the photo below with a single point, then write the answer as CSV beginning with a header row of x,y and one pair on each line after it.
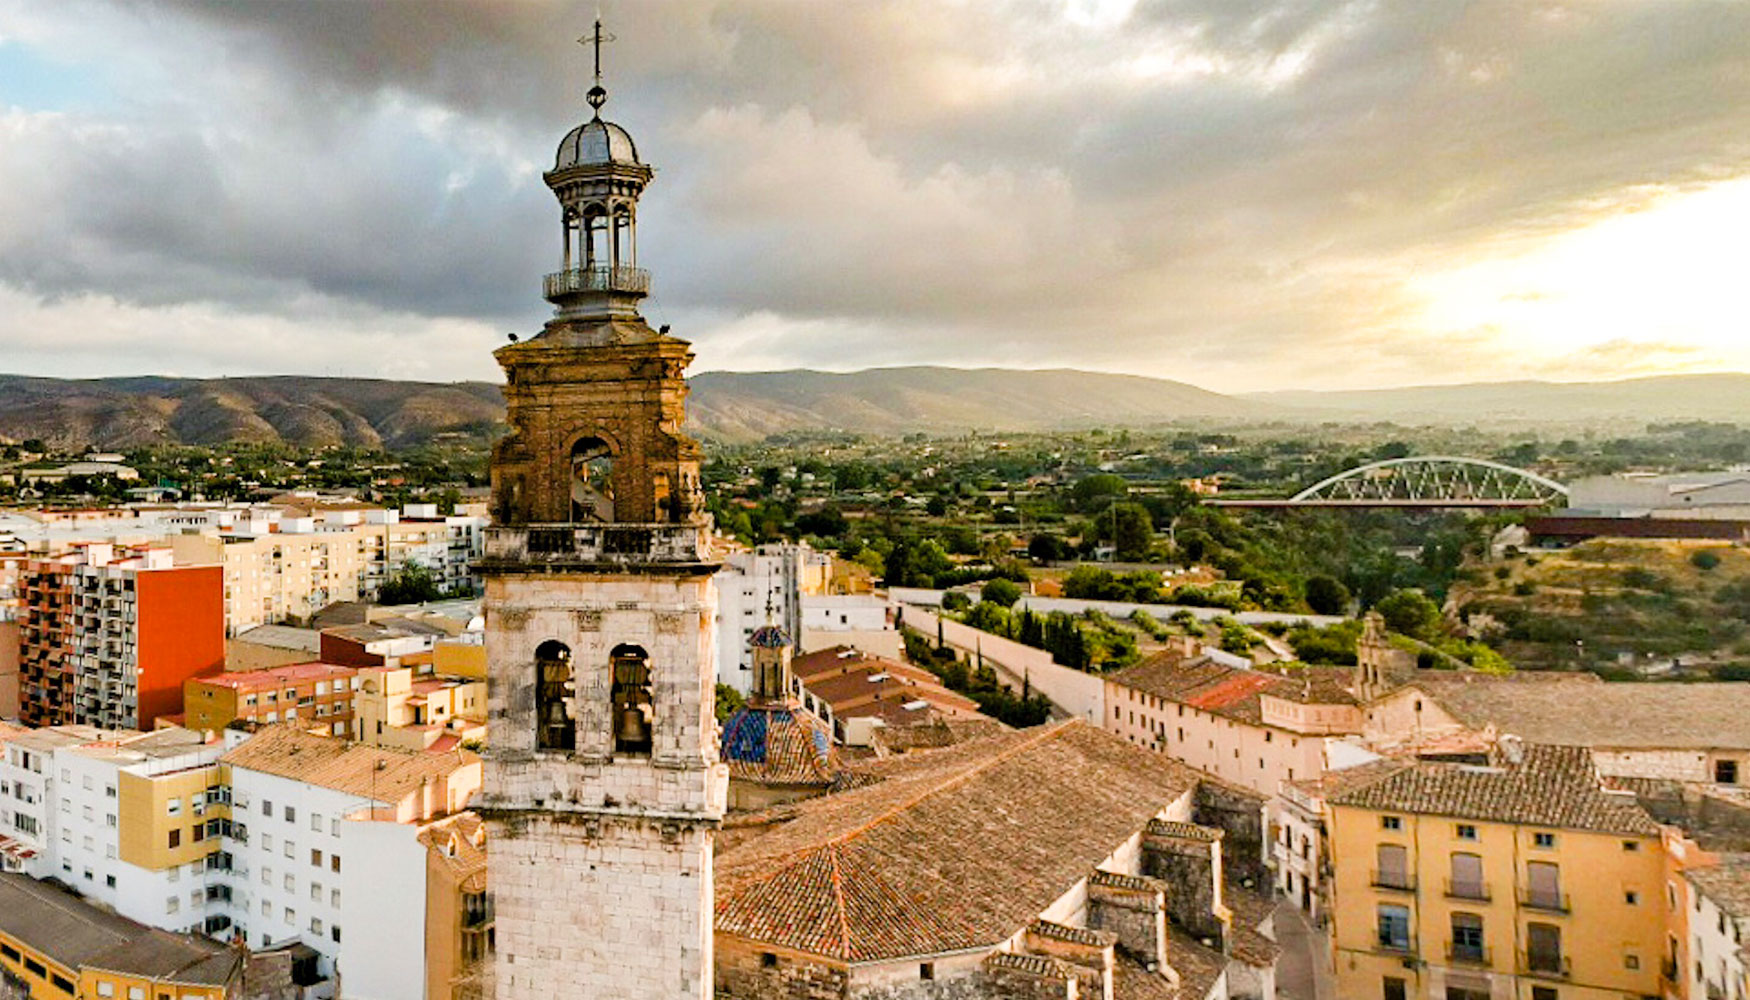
x,y
632,728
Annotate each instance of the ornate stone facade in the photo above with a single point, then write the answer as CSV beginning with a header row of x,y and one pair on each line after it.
x,y
602,787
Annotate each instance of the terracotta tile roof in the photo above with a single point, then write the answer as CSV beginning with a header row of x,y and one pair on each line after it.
x,y
1183,831
459,843
954,849
1233,692
1727,883
79,935
290,752
1553,786
1579,710
1073,935
269,676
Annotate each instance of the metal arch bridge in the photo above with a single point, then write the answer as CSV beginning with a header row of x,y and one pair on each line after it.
x,y
1423,481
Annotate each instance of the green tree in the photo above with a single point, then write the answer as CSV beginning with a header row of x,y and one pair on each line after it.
x,y
1410,612
1326,595
1133,531
412,583
1094,492
1003,593
729,701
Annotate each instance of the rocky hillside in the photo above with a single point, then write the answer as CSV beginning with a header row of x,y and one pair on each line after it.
x,y
127,412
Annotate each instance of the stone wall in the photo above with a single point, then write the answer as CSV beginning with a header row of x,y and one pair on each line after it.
x,y
1239,815
605,906
1133,908
1189,868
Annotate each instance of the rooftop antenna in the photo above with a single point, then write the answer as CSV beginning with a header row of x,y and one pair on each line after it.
x,y
598,94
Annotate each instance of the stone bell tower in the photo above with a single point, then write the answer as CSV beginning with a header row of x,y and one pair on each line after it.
x,y
603,786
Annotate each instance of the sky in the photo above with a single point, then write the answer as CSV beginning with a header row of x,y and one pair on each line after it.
x,y
1240,194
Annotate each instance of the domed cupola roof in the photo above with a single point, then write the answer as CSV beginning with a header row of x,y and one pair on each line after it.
x,y
596,143
778,745
769,637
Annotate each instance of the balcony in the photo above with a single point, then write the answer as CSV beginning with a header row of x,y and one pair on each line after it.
x,y
594,544
1458,953
1546,964
1466,889
1547,900
1395,881
584,280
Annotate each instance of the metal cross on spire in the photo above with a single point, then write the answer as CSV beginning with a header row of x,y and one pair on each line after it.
x,y
598,95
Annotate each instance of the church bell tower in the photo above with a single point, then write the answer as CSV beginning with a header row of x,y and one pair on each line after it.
x,y
603,786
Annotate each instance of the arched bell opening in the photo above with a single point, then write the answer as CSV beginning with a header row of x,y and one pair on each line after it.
x,y
592,480
555,729
634,711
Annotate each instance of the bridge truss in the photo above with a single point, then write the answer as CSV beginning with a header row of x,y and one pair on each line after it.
x,y
1433,480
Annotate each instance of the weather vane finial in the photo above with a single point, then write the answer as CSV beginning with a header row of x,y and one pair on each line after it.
x,y
598,94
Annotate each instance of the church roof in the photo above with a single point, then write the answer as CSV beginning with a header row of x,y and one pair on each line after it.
x,y
954,849
778,744
769,637
593,143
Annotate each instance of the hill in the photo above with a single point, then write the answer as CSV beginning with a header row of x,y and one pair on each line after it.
x,y
746,405
1724,396
310,411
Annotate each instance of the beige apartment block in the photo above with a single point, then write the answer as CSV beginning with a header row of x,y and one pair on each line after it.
x,y
396,707
278,576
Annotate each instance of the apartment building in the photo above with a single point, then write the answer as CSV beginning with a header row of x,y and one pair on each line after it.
x,y
108,638
1258,727
458,908
1514,873
400,707
53,946
767,581
319,826
131,820
317,696
1718,919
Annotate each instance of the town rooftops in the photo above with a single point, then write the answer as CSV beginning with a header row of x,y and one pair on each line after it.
x,y
855,684
1581,710
388,628
1554,786
80,936
381,774
955,849
1233,692
306,640
460,840
291,673
1727,883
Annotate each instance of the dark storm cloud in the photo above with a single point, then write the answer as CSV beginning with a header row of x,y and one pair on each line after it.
x,y
1178,184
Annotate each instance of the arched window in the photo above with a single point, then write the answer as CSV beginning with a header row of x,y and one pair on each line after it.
x,y
554,729
592,480
633,709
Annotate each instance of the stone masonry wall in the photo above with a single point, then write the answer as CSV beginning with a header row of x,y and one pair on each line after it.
x,y
1239,815
620,908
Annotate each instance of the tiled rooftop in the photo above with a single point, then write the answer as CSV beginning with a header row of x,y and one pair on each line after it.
x,y
1233,692
77,934
383,774
954,849
1726,883
1580,710
267,677
1554,786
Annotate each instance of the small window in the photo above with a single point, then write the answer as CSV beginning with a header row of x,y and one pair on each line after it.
x,y
1391,823
1543,840
316,858
1631,845
1631,961
1465,831
768,960
291,815
334,932
175,838
927,971
266,808
173,807
1726,772
334,862
63,984
1631,897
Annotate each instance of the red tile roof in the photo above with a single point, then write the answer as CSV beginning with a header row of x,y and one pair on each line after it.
x,y
267,677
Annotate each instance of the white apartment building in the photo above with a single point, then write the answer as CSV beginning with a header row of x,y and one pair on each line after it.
x,y
864,621
768,580
324,841
1719,928
133,821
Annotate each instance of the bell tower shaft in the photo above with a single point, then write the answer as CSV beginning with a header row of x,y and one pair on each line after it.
x,y
603,785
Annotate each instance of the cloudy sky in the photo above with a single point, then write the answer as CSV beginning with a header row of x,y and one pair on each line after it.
x,y
1236,193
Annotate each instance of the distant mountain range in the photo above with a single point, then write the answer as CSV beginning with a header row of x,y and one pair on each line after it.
x,y
740,406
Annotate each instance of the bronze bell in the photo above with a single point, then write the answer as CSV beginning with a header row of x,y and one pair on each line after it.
x,y
632,727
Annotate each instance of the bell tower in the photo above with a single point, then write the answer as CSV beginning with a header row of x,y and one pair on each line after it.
x,y
603,786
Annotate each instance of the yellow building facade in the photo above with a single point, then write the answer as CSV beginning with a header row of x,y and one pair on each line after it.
x,y
1502,879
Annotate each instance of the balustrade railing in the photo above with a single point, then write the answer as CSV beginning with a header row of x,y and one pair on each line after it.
x,y
630,280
